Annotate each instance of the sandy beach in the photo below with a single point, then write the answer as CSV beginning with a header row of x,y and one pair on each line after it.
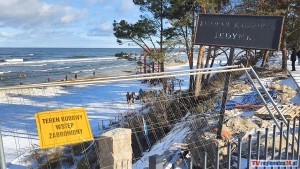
x,y
103,102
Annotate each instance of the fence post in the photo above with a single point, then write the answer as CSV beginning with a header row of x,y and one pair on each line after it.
x,y
2,155
266,143
293,138
239,152
224,96
280,141
274,142
298,147
249,151
218,158
228,155
258,145
287,140
205,160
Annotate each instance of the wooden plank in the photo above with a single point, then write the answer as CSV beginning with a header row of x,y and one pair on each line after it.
x,y
288,111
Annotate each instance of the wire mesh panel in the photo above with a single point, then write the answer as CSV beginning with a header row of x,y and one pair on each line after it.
x,y
162,112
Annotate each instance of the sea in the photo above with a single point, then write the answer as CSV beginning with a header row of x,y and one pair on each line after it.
x,y
40,65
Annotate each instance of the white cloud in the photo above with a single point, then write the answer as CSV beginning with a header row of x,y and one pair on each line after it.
x,y
103,29
67,18
126,6
5,35
29,13
107,26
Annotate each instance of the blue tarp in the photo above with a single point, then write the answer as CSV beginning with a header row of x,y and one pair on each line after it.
x,y
247,99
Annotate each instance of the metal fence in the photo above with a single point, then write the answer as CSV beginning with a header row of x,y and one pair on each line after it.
x,y
265,145
157,120
259,148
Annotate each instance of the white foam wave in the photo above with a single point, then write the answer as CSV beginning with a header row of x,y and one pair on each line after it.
x,y
40,65
91,70
111,67
14,60
45,70
87,70
61,68
62,61
1,73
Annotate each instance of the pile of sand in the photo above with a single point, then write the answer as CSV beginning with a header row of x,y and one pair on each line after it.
x,y
284,93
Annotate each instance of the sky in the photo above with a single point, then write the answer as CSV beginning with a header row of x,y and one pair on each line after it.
x,y
63,23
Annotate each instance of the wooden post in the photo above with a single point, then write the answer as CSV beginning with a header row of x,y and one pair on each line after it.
x,y
225,93
145,63
153,66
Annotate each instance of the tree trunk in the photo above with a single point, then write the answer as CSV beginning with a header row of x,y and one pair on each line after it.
x,y
161,35
191,65
199,65
265,58
145,63
212,62
284,53
207,61
162,67
283,42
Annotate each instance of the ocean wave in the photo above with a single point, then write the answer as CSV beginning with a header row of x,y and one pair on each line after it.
x,y
61,68
46,70
12,60
17,61
39,65
91,70
79,57
87,70
1,73
111,67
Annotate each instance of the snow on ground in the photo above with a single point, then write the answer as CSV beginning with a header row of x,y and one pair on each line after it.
x,y
176,135
102,102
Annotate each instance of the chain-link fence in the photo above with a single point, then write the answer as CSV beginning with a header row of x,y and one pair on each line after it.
x,y
160,109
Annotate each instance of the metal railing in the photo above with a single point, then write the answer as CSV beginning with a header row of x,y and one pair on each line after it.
x,y
259,147
254,151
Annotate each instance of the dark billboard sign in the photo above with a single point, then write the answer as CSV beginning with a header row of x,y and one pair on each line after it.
x,y
256,32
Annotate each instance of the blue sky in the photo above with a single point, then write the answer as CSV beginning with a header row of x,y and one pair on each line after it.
x,y
62,23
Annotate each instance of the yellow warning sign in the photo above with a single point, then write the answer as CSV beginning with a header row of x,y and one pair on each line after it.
x,y
61,127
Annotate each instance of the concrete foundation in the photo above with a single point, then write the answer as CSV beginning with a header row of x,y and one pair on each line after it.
x,y
115,151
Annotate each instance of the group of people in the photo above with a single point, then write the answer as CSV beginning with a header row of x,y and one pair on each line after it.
x,y
294,56
130,97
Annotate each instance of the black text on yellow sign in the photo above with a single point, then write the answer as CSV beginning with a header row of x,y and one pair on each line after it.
x,y
61,127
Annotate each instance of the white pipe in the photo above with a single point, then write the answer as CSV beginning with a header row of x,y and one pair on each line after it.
x,y
268,94
159,73
123,78
262,98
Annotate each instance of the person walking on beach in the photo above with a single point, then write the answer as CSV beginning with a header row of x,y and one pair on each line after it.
x,y
94,73
132,97
76,76
128,97
293,59
66,78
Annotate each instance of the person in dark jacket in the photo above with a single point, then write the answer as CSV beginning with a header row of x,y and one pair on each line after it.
x,y
298,54
128,97
293,59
